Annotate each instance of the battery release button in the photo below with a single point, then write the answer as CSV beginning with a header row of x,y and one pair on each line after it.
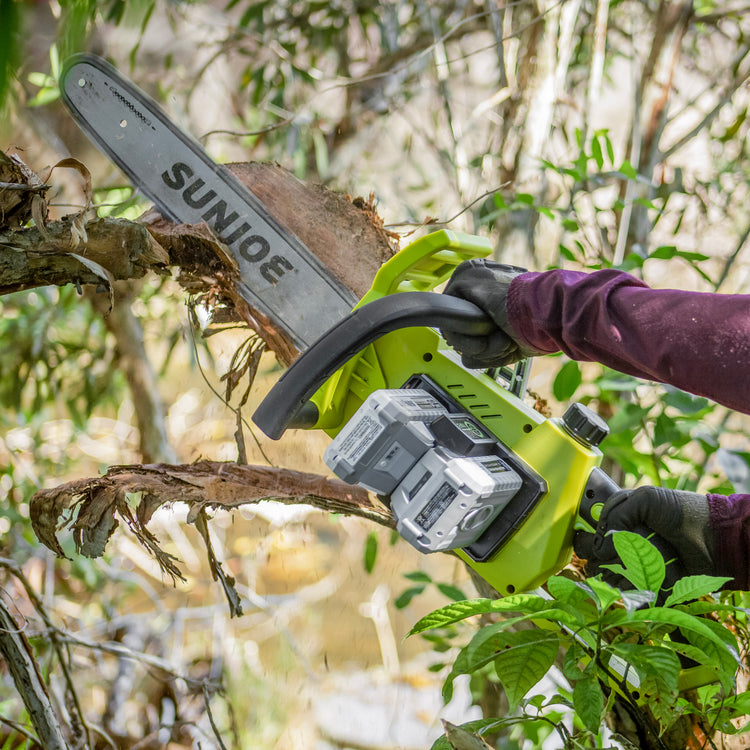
x,y
476,518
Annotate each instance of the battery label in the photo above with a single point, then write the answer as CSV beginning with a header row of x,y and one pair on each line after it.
x,y
356,443
423,403
436,506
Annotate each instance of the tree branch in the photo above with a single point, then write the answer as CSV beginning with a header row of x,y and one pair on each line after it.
x,y
17,654
91,507
33,257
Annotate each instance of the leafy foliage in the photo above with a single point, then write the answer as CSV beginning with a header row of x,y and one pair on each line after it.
x,y
421,580
612,644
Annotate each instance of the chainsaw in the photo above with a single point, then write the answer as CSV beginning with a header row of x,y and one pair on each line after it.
x,y
463,461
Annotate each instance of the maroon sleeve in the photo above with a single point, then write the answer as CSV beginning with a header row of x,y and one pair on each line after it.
x,y
698,342
730,522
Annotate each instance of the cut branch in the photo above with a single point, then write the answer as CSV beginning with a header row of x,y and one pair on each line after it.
x,y
347,236
91,507
34,257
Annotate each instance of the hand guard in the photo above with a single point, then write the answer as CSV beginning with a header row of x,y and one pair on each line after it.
x,y
676,522
486,283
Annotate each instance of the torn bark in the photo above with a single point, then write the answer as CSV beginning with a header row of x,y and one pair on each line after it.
x,y
32,257
348,237
90,507
21,192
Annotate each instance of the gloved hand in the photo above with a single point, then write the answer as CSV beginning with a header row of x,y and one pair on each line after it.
x,y
676,522
486,283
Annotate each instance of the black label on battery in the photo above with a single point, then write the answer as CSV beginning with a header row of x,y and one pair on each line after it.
x,y
470,427
434,508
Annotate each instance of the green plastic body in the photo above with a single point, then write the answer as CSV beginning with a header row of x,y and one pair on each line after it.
x,y
543,542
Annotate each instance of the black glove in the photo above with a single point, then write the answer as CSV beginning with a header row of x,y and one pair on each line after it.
x,y
486,283
676,522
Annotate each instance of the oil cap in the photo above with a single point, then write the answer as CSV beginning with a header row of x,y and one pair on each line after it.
x,y
585,425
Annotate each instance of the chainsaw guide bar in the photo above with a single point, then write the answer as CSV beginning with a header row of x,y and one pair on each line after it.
x,y
278,275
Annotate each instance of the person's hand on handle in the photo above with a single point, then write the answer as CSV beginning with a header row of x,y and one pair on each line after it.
x,y
486,284
676,522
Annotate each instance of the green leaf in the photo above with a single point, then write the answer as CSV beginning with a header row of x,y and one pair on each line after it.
x,y
371,551
484,646
610,148
499,201
567,381
734,128
452,592
630,262
567,253
627,417
405,597
418,576
526,603
478,726
567,591
452,613
708,655
685,622
525,199
693,587
526,657
602,593
738,704
596,152
670,431
664,252
684,402
627,169
644,565
571,661
588,700
658,661
704,607
10,44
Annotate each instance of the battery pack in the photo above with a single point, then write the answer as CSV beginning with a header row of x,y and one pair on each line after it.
x,y
447,501
383,440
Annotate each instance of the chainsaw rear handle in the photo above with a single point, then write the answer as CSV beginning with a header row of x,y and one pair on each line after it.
x,y
283,406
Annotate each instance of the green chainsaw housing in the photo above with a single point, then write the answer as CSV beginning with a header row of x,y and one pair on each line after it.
x,y
542,542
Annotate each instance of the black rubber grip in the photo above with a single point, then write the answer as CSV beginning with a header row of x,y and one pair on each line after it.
x,y
339,344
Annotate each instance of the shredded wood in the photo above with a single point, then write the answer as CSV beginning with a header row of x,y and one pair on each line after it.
x,y
91,509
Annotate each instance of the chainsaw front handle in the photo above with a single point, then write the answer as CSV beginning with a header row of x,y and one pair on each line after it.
x,y
284,403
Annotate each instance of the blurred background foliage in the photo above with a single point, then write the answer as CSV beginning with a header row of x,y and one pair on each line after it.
x,y
583,134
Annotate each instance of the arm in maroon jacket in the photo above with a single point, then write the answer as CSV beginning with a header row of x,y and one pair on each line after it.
x,y
697,342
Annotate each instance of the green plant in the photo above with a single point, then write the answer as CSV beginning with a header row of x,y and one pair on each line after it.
x,y
611,644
